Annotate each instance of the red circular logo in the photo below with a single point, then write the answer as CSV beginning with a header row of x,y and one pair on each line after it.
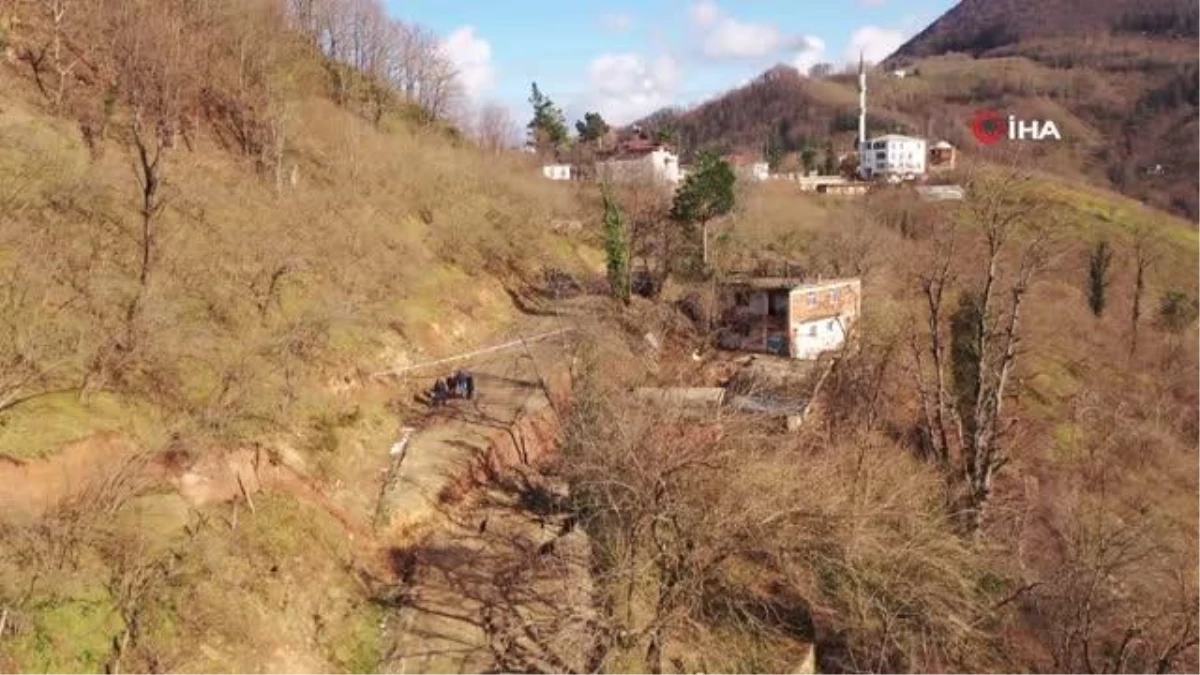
x,y
989,127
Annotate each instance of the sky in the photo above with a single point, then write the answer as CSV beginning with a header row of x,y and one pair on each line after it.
x,y
626,59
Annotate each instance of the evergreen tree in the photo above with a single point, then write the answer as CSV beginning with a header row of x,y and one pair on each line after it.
x,y
591,128
964,356
707,193
773,152
616,247
1098,266
548,128
808,158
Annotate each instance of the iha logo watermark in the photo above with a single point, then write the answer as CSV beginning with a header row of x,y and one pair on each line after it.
x,y
991,127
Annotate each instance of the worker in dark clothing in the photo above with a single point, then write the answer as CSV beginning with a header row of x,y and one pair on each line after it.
x,y
439,393
470,385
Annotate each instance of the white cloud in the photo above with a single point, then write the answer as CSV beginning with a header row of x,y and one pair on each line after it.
x,y
616,22
705,13
872,3
472,58
627,86
722,37
809,55
874,43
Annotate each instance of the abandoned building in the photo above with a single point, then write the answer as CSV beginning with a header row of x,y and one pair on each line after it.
x,y
781,316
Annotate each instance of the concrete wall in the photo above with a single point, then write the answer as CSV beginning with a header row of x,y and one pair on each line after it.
x,y
810,339
557,171
660,165
811,183
842,297
821,314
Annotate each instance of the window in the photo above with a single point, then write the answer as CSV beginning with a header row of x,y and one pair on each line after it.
x,y
812,299
836,295
829,326
812,330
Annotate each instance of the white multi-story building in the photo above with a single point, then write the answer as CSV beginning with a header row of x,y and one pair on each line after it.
x,y
893,157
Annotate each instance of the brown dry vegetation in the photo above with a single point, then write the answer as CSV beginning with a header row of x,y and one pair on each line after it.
x,y
724,544
161,265
209,231
203,262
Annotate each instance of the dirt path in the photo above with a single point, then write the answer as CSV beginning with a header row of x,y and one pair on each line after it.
x,y
464,438
105,463
478,589
500,589
490,581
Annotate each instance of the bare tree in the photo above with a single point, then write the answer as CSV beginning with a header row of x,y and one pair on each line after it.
x,y
1123,597
424,74
495,128
63,65
683,508
36,349
1145,253
153,64
940,417
970,427
372,40
333,38
306,17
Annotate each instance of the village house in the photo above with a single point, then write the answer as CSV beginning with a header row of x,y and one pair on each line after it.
x,y
942,156
779,316
747,167
640,159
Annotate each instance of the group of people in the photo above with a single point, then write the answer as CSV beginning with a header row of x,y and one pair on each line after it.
x,y
460,384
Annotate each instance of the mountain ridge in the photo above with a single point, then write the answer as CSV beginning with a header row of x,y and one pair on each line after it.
x,y
978,26
1120,81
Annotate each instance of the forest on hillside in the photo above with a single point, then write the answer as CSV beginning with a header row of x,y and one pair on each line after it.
x,y
174,210
1128,106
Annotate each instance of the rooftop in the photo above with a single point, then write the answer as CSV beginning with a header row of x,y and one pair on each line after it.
x,y
896,137
787,283
634,149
